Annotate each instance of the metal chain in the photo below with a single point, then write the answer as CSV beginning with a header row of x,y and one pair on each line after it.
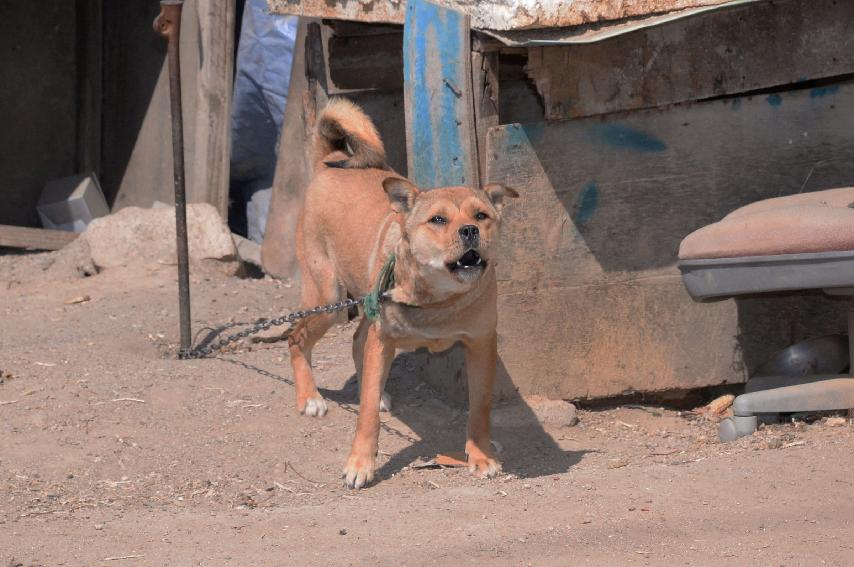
x,y
202,352
217,345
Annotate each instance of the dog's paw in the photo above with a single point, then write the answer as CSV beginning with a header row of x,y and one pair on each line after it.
x,y
358,472
485,467
314,407
385,402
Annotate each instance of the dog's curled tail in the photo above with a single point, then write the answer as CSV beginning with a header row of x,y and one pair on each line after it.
x,y
343,126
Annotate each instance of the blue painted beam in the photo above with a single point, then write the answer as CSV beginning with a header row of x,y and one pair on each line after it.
x,y
440,132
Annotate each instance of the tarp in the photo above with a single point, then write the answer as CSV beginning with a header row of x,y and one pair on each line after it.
x,y
262,75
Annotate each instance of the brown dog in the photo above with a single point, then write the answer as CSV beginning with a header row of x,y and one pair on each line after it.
x,y
356,214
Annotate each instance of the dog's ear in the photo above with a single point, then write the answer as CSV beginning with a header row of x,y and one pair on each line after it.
x,y
497,193
401,193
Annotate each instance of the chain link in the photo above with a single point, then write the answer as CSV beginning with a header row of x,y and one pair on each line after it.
x,y
290,318
216,346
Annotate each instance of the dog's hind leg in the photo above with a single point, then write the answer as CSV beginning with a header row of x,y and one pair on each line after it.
x,y
359,357
306,334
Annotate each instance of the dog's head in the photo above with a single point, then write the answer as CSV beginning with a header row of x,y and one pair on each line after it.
x,y
450,232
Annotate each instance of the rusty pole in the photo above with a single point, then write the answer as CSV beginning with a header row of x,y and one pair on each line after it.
x,y
168,24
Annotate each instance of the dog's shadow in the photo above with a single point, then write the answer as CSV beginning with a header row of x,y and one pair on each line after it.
x,y
527,450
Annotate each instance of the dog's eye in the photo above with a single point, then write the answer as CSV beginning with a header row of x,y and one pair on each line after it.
x,y
438,219
481,216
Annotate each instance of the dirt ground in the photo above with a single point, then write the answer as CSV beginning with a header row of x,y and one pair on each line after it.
x,y
114,453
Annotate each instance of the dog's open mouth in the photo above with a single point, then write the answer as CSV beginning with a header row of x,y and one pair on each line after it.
x,y
470,261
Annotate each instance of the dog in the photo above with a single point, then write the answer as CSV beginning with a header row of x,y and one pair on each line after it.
x,y
357,213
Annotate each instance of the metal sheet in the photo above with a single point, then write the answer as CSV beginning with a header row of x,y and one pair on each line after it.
x,y
590,33
497,14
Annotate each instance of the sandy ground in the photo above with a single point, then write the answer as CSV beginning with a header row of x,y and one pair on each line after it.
x,y
114,453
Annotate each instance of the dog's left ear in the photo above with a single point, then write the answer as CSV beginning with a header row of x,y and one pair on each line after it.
x,y
401,193
497,193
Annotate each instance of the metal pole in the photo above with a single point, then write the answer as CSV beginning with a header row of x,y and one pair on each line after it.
x,y
168,24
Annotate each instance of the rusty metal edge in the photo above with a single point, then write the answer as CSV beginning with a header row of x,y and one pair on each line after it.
x,y
592,33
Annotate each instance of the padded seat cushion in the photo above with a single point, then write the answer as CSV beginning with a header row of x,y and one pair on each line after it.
x,y
804,223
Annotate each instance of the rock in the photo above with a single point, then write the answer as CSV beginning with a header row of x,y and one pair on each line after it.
x,y
74,260
535,409
248,250
618,463
147,236
836,421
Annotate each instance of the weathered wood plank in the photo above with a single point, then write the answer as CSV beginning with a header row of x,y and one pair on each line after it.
x,y
731,51
485,87
214,88
439,105
591,303
293,167
34,238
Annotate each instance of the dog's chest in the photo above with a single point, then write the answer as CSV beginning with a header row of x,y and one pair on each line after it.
x,y
413,327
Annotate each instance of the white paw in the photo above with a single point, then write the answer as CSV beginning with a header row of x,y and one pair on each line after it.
x,y
484,467
315,407
358,472
385,402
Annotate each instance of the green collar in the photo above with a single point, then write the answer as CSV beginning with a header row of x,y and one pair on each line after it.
x,y
385,282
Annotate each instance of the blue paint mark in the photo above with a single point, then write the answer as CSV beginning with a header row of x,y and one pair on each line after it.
x,y
433,51
588,201
626,137
819,92
774,100
736,103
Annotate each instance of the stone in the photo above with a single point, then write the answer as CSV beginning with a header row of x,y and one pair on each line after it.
x,y
147,236
248,250
535,409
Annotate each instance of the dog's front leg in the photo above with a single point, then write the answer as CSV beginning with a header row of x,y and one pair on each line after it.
x,y
378,355
481,359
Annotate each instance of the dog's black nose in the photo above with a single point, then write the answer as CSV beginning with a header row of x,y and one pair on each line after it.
x,y
470,234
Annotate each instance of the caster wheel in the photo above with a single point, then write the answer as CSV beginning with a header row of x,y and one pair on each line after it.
x,y
732,428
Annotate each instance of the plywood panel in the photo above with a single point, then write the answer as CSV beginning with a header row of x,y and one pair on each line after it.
x,y
591,303
731,51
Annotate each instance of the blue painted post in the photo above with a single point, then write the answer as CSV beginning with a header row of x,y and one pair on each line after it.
x,y
438,101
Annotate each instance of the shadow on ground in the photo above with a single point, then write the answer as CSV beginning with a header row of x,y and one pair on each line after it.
x,y
528,451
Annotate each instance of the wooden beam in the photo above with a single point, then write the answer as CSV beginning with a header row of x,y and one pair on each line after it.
x,y
34,238
724,52
484,68
438,102
278,251
214,88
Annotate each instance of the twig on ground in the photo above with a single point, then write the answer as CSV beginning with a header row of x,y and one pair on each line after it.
x,y
288,465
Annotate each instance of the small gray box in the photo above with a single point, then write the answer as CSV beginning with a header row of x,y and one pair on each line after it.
x,y
70,203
